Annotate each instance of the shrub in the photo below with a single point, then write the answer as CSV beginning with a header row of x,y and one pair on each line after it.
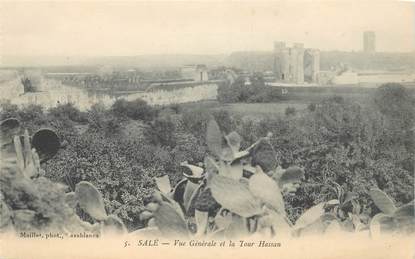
x,y
229,93
100,119
226,202
290,111
394,101
224,120
311,107
96,158
162,132
68,111
136,110
195,121
397,106
255,92
8,110
31,202
31,116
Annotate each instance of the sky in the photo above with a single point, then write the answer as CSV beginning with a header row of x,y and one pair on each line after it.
x,y
135,28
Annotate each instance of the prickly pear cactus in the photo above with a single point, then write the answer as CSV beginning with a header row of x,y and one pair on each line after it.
x,y
33,204
30,202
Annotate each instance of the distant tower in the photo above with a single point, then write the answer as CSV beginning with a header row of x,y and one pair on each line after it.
x,y
281,61
296,66
369,41
311,65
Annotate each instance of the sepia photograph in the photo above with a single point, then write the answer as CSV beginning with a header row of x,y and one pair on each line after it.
x,y
207,129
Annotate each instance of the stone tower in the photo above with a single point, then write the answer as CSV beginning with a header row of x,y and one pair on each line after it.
x,y
311,65
298,63
369,41
290,63
281,61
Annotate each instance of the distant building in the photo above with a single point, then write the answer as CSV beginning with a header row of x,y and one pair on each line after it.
x,y
195,72
311,65
325,77
369,41
346,78
372,78
296,64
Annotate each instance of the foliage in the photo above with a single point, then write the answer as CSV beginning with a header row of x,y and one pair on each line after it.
x,y
312,107
256,91
343,148
340,142
136,110
162,132
68,112
31,202
290,111
8,110
31,116
251,201
195,121
102,120
391,219
395,102
396,105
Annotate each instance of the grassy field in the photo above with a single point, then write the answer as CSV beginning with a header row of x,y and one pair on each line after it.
x,y
298,97
257,110
298,100
250,110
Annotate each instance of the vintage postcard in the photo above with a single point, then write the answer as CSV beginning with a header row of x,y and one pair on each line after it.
x,y
207,129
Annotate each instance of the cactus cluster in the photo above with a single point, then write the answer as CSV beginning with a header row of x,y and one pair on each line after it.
x,y
226,196
234,193
31,202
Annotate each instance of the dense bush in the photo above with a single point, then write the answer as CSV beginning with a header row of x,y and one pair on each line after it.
x,y
136,110
256,91
239,193
31,202
123,168
95,158
290,111
396,105
394,101
68,112
311,107
344,143
162,131
102,120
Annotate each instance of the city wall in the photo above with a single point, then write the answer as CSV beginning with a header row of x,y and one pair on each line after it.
x,y
179,95
56,93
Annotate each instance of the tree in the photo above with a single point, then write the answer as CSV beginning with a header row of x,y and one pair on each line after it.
x,y
396,104
136,110
162,132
